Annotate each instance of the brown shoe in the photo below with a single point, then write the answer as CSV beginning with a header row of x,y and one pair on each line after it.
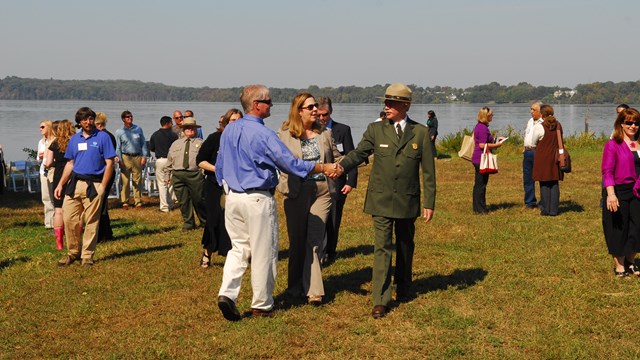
x,y
67,260
315,300
87,262
262,313
379,311
125,206
139,207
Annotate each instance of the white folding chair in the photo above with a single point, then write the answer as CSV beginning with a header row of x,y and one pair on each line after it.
x,y
20,173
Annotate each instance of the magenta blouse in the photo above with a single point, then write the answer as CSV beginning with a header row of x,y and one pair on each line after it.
x,y
481,134
618,165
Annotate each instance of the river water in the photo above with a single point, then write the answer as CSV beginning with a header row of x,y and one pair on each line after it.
x,y
19,120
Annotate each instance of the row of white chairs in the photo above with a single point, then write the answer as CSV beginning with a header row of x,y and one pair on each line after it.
x,y
24,175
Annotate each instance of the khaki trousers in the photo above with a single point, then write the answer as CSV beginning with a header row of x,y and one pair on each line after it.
x,y
130,167
165,190
306,224
72,209
46,201
252,224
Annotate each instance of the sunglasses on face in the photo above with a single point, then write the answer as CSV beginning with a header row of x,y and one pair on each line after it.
x,y
178,117
631,123
41,127
310,107
268,101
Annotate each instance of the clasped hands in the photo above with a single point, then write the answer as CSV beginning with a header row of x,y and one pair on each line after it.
x,y
332,170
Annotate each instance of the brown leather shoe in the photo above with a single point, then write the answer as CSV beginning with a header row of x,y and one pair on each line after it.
x,y
379,311
262,313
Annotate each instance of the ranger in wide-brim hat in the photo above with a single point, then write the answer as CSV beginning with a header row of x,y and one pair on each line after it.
x,y
189,122
397,92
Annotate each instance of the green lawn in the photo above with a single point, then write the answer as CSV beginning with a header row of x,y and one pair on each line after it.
x,y
511,285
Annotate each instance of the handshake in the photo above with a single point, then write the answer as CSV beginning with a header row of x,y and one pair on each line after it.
x,y
332,170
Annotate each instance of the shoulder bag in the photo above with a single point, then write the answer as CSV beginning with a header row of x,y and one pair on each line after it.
x,y
466,150
564,159
488,162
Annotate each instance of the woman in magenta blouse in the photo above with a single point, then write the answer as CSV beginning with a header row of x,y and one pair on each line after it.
x,y
482,136
621,215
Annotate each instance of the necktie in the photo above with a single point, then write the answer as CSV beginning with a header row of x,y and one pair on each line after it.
x,y
399,131
185,159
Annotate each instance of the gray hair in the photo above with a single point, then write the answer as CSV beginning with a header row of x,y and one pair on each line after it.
x,y
251,93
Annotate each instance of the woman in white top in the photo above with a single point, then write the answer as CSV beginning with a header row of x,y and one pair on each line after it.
x,y
43,145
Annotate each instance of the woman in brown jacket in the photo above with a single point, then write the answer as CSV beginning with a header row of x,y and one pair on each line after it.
x,y
546,169
307,201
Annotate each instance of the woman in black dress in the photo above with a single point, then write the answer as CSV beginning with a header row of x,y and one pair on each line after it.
x,y
214,237
62,130
432,124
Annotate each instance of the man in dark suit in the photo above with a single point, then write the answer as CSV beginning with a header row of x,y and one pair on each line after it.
x,y
341,135
401,147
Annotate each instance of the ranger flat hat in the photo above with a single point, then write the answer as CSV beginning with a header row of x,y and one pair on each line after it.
x,y
189,122
397,92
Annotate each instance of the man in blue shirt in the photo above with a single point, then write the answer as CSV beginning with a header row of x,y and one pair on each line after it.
x,y
249,156
90,154
132,151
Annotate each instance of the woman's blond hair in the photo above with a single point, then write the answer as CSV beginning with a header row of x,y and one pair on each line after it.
x,y
294,122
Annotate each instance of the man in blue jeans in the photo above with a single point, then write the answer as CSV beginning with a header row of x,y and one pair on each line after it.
x,y
530,201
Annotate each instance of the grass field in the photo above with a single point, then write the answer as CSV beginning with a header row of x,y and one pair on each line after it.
x,y
511,285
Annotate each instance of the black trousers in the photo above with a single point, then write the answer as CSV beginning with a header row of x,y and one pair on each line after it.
x,y
480,191
622,228
104,226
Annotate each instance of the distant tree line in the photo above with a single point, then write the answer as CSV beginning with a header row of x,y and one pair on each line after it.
x,y
16,88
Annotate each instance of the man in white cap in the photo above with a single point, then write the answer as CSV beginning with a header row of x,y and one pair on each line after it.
x,y
401,148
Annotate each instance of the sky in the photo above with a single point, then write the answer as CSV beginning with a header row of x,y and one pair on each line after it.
x,y
220,44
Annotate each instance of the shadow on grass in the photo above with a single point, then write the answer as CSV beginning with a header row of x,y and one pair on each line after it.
x,y
502,205
141,251
28,223
569,206
351,282
343,254
10,262
19,200
136,232
460,279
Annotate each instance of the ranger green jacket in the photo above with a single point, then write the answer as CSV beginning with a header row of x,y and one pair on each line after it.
x,y
394,183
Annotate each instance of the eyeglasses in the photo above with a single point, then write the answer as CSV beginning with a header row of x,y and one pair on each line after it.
x,y
128,117
268,101
631,123
42,127
323,115
310,107
178,117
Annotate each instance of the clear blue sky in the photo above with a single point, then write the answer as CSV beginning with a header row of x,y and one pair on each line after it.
x,y
324,42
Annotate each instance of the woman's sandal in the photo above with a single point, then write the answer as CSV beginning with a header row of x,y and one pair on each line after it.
x,y
631,268
620,274
205,261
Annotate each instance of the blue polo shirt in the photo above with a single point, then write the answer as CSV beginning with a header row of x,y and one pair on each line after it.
x,y
89,154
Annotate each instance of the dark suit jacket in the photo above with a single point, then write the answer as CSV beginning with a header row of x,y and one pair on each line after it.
x,y
394,183
344,142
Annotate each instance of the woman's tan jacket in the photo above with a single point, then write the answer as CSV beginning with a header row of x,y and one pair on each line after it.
x,y
290,185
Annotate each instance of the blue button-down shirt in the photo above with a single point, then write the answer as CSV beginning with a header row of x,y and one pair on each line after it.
x,y
131,141
250,153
